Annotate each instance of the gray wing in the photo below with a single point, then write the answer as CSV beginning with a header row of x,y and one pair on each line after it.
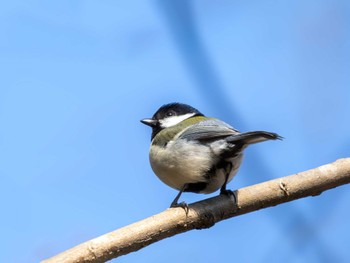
x,y
208,130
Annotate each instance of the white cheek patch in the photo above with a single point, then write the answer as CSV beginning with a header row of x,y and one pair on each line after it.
x,y
173,120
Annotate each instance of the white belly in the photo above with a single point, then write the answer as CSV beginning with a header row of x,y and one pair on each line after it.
x,y
184,162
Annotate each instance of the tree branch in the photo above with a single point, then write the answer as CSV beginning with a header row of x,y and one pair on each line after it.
x,y
206,213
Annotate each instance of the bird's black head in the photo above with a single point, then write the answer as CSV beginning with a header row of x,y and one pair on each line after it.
x,y
169,115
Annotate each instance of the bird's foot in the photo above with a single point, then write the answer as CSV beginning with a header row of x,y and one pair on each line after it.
x,y
182,204
228,193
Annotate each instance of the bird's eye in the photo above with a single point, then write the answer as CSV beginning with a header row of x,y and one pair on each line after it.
x,y
170,113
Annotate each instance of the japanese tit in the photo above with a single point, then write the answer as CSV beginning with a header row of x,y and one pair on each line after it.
x,y
194,153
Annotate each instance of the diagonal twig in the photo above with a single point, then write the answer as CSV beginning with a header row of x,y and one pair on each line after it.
x,y
206,213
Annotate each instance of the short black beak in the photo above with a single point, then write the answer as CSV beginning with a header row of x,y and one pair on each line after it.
x,y
150,122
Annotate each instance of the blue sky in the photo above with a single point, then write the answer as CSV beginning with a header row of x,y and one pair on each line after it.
x,y
77,76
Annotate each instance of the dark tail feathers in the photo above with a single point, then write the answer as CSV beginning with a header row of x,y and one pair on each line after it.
x,y
253,137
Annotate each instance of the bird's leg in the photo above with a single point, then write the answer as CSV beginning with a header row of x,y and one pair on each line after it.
x,y
174,202
223,190
182,204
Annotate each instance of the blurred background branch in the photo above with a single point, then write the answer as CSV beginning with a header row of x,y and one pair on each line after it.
x,y
78,75
200,61
206,213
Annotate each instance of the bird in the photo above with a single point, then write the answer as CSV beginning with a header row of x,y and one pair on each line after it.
x,y
194,153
